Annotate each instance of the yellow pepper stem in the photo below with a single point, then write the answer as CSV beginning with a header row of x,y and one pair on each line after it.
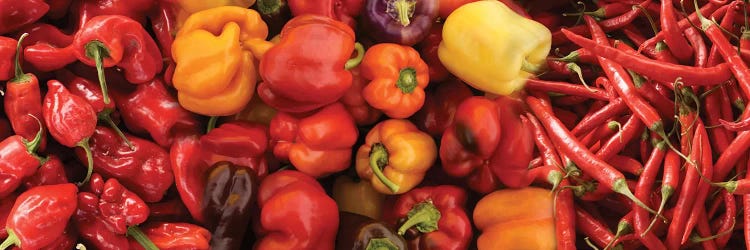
x,y
424,216
404,11
97,51
407,80
354,62
378,160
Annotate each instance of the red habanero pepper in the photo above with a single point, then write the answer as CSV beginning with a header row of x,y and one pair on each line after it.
x,y
438,213
285,199
48,48
93,231
642,191
18,160
85,11
51,172
70,119
23,102
164,25
355,103
145,169
150,108
189,172
177,235
318,144
440,104
343,10
14,14
40,215
241,143
428,48
7,53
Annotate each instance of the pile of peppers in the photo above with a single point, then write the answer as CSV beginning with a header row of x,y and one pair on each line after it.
x,y
374,124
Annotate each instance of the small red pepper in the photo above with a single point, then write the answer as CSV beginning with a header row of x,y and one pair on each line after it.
x,y
318,144
241,143
7,53
23,101
40,215
120,207
440,106
70,119
177,235
85,11
92,229
438,213
189,172
47,48
15,14
51,172
343,10
18,160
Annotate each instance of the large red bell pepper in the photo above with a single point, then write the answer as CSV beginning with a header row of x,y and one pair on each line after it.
x,y
342,10
241,143
14,14
440,106
7,54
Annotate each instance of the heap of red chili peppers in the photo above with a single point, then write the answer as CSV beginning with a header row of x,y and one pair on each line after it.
x,y
336,124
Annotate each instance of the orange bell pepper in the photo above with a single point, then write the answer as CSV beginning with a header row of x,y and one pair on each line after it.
x,y
398,76
516,219
216,53
395,157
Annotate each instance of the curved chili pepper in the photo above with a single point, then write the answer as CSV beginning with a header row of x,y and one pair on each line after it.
x,y
566,88
227,203
16,14
241,143
70,119
48,48
672,33
23,101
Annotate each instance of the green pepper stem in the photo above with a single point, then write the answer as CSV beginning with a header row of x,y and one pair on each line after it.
x,y
97,51
20,76
11,240
621,187
141,238
666,192
380,244
407,80
269,7
404,10
211,123
555,178
530,68
89,159
33,145
378,160
354,62
104,116
424,216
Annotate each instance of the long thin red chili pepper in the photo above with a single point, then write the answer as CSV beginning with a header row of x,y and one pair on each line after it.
x,y
593,228
616,107
731,155
543,143
565,219
683,23
729,219
672,32
685,200
566,88
627,164
610,24
706,165
658,51
699,46
704,230
642,191
632,128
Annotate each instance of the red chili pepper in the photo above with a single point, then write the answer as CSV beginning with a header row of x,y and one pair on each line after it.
x,y
23,102
658,51
699,46
440,104
241,143
145,169
51,172
7,53
672,32
48,48
16,14
18,161
567,89
40,215
189,172
93,231
642,191
615,107
85,11
729,220
683,24
5,208
632,128
70,119
609,24
177,235
593,228
66,240
543,143
164,25
565,218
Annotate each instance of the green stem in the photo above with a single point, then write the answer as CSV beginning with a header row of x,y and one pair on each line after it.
x,y
354,62
666,192
404,10
573,67
33,145
141,238
424,216
211,123
407,80
20,76
97,51
555,178
380,244
89,159
10,241
623,227
621,187
530,68
572,57
378,160
104,116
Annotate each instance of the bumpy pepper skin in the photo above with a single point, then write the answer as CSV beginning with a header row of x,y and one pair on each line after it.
x,y
358,196
397,77
342,10
286,199
51,172
361,232
404,22
70,119
318,144
228,202
216,52
523,47
40,215
320,76
238,142
91,226
18,162
177,235
14,14
451,229
120,207
189,172
22,101
395,157
439,109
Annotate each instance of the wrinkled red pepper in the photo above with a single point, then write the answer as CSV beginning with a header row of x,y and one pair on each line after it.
x,y
15,14
318,144
241,143
47,47
51,172
120,207
164,24
22,101
7,54
177,235
19,161
85,11
343,10
440,106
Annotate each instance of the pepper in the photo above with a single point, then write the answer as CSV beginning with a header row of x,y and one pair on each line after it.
x,y
405,22
227,203
522,52
22,101
342,10
5,208
164,25
318,144
84,11
218,68
70,119
40,215
189,172
275,13
361,232
145,169
93,231
505,220
120,207
397,78
66,240
16,14
438,213
18,161
428,50
177,235
47,48
439,109
321,76
256,111
286,198
358,197
186,8
355,103
238,142
395,157
151,109
7,54
51,172
171,209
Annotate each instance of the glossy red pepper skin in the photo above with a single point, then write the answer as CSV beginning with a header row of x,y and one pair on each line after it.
x,y
14,14
343,10
5,208
66,240
93,231
453,228
23,107
177,235
164,24
511,164
70,119
355,103
428,48
319,144
51,172
145,169
440,106
7,54
189,172
120,207
85,88
17,162
47,48
84,11
150,108
286,199
45,33
241,143
41,214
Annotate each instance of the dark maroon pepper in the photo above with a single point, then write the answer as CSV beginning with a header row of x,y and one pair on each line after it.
x,y
399,21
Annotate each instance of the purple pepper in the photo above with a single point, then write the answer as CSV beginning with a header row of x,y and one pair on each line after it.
x,y
404,22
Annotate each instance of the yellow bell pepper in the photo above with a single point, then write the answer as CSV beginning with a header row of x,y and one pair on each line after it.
x,y
185,8
358,197
492,48
216,53
395,157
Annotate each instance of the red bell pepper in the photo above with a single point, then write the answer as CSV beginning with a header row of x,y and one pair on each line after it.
x,y
23,101
177,235
296,213
17,13
511,164
321,76
438,213
85,11
66,240
51,172
40,215
145,169
238,142
319,144
343,10
150,108
428,49
5,208
440,106
355,103
70,119
18,160
189,172
47,48
7,54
